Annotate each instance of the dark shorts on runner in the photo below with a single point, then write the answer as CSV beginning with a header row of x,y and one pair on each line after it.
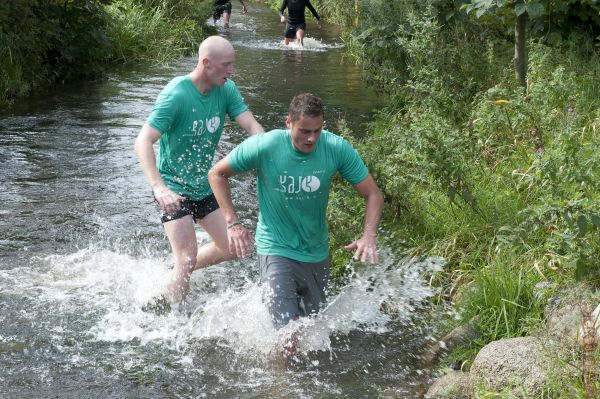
x,y
290,30
218,10
198,209
296,289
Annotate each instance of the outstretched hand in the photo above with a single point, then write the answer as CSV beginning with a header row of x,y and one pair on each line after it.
x,y
319,25
168,200
365,249
240,241
244,9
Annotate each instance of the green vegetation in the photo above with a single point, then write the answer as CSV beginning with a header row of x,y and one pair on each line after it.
x,y
490,164
157,31
44,42
502,180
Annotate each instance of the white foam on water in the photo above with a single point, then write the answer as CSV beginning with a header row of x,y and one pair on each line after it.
x,y
374,296
310,45
248,24
241,318
110,289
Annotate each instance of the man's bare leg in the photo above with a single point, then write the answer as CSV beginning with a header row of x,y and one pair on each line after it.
x,y
217,250
226,17
300,37
188,257
182,237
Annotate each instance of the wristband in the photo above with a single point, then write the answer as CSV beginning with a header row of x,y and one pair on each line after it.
x,y
238,223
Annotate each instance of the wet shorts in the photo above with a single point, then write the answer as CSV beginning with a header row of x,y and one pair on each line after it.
x,y
198,209
295,289
218,10
290,30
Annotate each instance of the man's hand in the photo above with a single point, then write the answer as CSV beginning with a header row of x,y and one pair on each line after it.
x,y
366,249
282,19
319,24
244,9
167,199
240,241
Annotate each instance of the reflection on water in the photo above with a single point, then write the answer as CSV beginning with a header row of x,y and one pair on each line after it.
x,y
81,249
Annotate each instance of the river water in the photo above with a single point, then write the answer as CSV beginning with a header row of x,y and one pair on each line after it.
x,y
82,249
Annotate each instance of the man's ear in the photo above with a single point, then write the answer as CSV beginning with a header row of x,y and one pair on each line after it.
x,y
205,61
288,121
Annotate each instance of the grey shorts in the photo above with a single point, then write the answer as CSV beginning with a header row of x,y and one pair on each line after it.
x,y
295,289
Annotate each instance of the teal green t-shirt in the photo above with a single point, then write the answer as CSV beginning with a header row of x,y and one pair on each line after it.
x,y
293,190
191,124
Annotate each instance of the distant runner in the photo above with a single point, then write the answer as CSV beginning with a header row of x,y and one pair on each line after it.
x,y
296,24
223,8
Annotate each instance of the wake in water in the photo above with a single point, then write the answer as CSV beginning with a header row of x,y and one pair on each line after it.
x,y
109,289
84,310
310,45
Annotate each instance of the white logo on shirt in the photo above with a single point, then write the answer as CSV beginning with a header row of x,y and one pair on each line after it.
x,y
198,127
213,124
291,185
310,184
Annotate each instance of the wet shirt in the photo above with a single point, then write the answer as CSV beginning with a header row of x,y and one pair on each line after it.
x,y
191,124
296,10
293,190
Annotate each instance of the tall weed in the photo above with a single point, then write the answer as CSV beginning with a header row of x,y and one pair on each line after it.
x,y
502,298
157,31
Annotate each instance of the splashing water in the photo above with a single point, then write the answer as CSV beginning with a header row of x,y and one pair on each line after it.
x,y
310,45
111,288
71,323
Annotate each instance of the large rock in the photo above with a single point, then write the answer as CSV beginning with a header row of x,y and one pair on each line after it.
x,y
564,313
454,385
515,363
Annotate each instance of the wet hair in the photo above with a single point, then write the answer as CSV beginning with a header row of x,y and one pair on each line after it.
x,y
305,104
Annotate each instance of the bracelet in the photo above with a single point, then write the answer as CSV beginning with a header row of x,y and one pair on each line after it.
x,y
238,223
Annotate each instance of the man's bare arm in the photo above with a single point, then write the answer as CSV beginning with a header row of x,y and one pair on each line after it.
x,y
249,124
240,241
366,246
167,199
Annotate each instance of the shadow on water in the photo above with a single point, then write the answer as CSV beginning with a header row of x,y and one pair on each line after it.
x,y
81,249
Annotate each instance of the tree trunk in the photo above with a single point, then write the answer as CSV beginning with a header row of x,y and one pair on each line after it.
x,y
520,50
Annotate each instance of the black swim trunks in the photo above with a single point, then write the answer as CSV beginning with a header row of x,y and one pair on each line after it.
x,y
198,209
290,30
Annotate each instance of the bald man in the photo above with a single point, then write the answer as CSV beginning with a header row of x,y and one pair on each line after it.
x,y
187,120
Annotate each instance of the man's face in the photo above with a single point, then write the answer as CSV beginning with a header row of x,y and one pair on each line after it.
x,y
305,132
220,67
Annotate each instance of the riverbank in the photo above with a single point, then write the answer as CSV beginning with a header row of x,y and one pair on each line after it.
x,y
46,43
499,179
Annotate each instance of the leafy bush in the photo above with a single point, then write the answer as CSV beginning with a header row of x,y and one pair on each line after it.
x,y
54,41
502,182
50,41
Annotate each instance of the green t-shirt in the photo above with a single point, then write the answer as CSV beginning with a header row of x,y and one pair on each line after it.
x,y
191,124
293,190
